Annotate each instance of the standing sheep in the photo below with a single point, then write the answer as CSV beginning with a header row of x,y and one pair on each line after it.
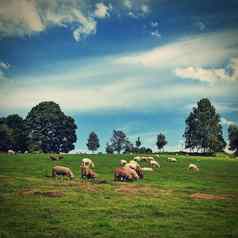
x,y
86,172
193,167
154,164
170,159
11,152
87,162
62,171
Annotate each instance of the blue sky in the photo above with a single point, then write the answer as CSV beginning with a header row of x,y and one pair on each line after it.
x,y
135,65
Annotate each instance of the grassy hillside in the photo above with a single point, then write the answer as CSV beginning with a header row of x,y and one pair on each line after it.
x,y
170,202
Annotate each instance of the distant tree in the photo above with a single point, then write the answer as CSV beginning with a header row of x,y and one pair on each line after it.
x,y
203,130
5,137
109,149
17,126
49,129
119,141
233,138
138,142
129,148
161,141
93,142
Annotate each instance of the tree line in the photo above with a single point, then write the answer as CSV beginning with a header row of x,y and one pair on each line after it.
x,y
47,129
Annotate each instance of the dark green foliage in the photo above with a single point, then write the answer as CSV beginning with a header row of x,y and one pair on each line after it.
x,y
138,142
203,130
161,141
5,137
93,142
233,138
109,149
16,123
119,141
49,129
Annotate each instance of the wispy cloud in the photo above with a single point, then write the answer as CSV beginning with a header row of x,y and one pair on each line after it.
x,y
102,10
197,50
211,75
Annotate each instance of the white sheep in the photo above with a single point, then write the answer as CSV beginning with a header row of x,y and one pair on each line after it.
x,y
87,162
170,159
158,156
154,164
123,162
61,170
193,167
147,169
11,152
137,158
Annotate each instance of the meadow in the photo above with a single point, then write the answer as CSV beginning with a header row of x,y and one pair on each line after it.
x,y
169,202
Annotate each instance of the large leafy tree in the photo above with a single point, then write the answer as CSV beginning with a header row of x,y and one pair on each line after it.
x,y
119,141
233,137
203,130
93,142
17,126
138,142
49,129
161,141
5,137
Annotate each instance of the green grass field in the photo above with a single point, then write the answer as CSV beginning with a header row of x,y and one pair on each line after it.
x,y
161,205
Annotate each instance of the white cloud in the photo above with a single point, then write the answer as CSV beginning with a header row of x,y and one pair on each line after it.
x,y
88,27
200,25
102,10
154,24
4,66
230,73
187,52
156,34
145,8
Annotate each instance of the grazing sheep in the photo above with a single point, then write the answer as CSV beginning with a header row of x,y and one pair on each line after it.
x,y
123,162
137,158
157,156
53,157
63,171
86,172
87,162
147,169
147,158
154,164
122,174
170,159
193,167
11,152
26,152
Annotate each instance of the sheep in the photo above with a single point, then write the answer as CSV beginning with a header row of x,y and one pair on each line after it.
x,y
136,167
86,172
123,162
193,167
137,158
170,159
125,174
61,170
147,158
87,162
147,169
53,157
26,152
11,152
158,156
154,164
122,174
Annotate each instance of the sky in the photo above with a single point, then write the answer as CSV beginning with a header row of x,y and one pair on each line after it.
x,y
134,65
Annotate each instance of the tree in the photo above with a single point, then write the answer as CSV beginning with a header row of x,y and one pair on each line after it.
x,y
109,149
203,130
119,141
49,129
138,142
5,137
93,142
17,126
161,141
233,138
